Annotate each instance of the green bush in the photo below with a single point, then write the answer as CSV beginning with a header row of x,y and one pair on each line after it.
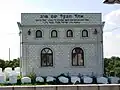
x,y
94,80
19,79
33,77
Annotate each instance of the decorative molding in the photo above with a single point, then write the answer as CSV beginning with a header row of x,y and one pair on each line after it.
x,y
63,43
80,25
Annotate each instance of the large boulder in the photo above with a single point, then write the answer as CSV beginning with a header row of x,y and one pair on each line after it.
x,y
102,80
50,79
7,71
18,73
2,78
17,69
13,73
87,79
12,79
75,79
39,79
25,80
0,70
114,80
63,79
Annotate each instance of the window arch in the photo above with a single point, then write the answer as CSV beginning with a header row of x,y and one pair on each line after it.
x,y
46,57
84,33
54,33
69,33
38,34
77,57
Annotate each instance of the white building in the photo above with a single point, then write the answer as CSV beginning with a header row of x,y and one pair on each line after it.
x,y
55,43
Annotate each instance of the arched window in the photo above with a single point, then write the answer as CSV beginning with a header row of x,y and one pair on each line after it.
x,y
46,57
53,33
38,34
77,57
69,33
84,33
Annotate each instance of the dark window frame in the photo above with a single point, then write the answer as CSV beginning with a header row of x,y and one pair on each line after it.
x,y
67,33
56,34
76,53
39,31
84,31
46,56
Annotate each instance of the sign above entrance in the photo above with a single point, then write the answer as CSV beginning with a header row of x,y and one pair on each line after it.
x,y
60,18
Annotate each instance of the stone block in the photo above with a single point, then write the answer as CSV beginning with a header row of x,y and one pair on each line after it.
x,y
6,88
102,80
109,87
13,79
87,79
39,79
26,80
17,69
63,79
75,79
0,70
114,80
45,87
50,79
2,78
67,87
24,88
87,87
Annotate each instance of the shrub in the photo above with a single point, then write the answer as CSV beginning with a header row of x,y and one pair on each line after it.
x,y
94,80
33,77
19,79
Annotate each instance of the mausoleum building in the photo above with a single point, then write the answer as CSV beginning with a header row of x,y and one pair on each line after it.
x,y
55,43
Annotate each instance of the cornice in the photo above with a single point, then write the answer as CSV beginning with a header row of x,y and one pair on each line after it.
x,y
60,43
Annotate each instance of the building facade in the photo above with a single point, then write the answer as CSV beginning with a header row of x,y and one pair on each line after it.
x,y
55,43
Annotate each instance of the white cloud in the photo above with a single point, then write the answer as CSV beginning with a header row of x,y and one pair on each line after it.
x,y
10,14
113,17
111,45
10,11
112,34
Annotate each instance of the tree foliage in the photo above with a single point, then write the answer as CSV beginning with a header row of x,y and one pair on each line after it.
x,y
112,66
12,63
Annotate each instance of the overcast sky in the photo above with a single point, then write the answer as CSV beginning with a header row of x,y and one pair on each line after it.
x,y
10,11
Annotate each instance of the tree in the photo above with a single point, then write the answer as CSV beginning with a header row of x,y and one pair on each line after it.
x,y
2,64
16,62
13,63
112,66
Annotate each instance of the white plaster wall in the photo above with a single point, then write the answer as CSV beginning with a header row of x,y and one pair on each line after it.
x,y
77,34
62,60
62,47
